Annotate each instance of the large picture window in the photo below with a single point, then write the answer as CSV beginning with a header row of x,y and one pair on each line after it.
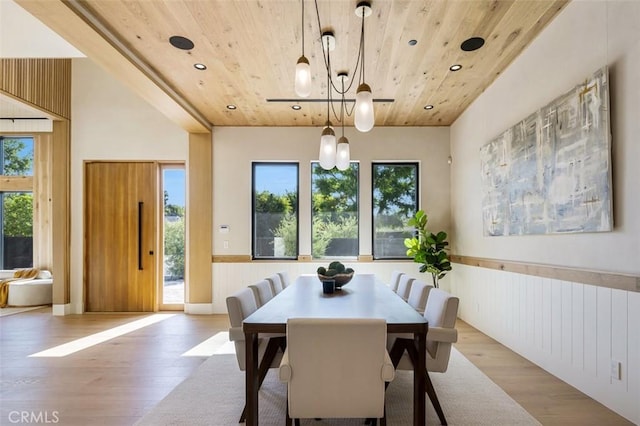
x,y
334,210
395,200
16,203
275,211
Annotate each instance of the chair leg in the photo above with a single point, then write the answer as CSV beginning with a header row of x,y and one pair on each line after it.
x,y
268,357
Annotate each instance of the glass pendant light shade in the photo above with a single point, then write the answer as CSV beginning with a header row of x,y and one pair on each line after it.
x,y
303,77
343,157
327,156
364,118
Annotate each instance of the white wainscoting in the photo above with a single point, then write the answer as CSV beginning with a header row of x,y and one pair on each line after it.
x,y
231,277
570,329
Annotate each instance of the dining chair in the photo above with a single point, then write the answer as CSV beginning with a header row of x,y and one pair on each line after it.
x,y
441,313
284,277
276,283
262,291
404,286
418,295
336,368
239,306
395,278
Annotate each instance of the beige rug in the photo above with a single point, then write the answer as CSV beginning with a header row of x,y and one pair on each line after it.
x,y
214,395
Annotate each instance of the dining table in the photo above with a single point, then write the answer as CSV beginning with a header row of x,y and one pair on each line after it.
x,y
365,296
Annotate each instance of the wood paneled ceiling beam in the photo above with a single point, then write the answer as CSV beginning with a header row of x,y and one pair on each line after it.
x,y
72,21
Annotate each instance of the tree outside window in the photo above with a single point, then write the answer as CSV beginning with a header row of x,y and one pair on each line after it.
x,y
334,210
395,201
16,208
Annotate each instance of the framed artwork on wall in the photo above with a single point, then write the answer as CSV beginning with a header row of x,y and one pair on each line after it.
x,y
551,172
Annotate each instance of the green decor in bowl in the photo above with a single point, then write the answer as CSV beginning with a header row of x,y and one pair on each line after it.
x,y
337,272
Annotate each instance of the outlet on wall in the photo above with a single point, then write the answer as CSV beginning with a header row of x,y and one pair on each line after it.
x,y
616,370
226,244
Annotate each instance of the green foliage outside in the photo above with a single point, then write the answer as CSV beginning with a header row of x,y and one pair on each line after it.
x,y
394,195
174,250
18,215
18,207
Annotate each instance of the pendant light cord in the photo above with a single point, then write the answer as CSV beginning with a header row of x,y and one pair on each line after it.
x,y
302,26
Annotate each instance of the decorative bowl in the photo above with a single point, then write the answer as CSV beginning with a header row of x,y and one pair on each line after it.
x,y
340,279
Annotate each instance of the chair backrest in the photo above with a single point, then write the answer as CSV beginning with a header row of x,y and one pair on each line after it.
x,y
404,286
441,313
418,295
239,306
395,278
263,292
336,368
276,283
284,277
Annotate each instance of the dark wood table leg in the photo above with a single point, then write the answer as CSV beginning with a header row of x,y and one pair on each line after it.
x,y
251,378
419,382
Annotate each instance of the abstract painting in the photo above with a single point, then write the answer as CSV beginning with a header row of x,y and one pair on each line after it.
x,y
551,172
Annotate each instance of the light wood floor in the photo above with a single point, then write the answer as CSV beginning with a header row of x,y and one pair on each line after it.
x,y
116,382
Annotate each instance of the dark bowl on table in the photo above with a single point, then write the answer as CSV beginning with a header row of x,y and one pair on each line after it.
x,y
340,279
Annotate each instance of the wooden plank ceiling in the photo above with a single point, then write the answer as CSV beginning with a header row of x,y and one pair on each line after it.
x,y
250,48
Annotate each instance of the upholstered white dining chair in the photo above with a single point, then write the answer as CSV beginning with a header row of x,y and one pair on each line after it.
x,y
284,277
404,286
276,283
395,278
336,368
418,295
239,306
441,313
263,292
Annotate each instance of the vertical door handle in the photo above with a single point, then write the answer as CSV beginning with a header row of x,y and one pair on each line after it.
x,y
140,206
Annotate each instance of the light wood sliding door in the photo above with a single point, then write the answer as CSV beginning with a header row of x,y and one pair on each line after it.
x,y
121,202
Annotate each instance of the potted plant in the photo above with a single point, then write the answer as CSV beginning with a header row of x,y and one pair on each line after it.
x,y
428,249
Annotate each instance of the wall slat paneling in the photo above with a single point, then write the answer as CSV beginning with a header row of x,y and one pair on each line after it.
x,y
24,78
571,329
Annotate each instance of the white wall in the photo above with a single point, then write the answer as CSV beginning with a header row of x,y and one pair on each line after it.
x,y
234,149
109,122
571,329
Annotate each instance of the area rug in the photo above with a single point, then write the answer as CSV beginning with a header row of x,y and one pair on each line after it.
x,y
214,395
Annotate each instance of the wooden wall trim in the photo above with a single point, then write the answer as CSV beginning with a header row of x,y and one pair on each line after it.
x,y
16,183
231,258
596,278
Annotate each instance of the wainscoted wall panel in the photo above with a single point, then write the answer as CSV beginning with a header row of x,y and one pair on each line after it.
x,y
575,331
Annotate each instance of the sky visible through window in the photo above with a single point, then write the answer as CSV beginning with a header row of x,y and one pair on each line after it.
x,y
276,180
174,184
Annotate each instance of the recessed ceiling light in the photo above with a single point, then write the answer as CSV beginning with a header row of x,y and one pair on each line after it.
x,y
471,44
296,107
200,67
181,42
413,42
456,67
428,107
231,107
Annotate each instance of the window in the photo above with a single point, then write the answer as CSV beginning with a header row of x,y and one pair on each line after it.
x,y
395,200
16,203
275,211
334,212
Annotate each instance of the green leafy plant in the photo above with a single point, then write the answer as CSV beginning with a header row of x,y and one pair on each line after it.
x,y
428,249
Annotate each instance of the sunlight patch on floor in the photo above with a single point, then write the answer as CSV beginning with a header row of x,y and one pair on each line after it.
x,y
103,336
215,345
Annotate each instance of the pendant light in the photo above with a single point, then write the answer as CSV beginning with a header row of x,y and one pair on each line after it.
x,y
303,70
327,157
343,156
364,118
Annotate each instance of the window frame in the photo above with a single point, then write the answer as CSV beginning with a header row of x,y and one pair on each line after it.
x,y
357,213
416,165
255,164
